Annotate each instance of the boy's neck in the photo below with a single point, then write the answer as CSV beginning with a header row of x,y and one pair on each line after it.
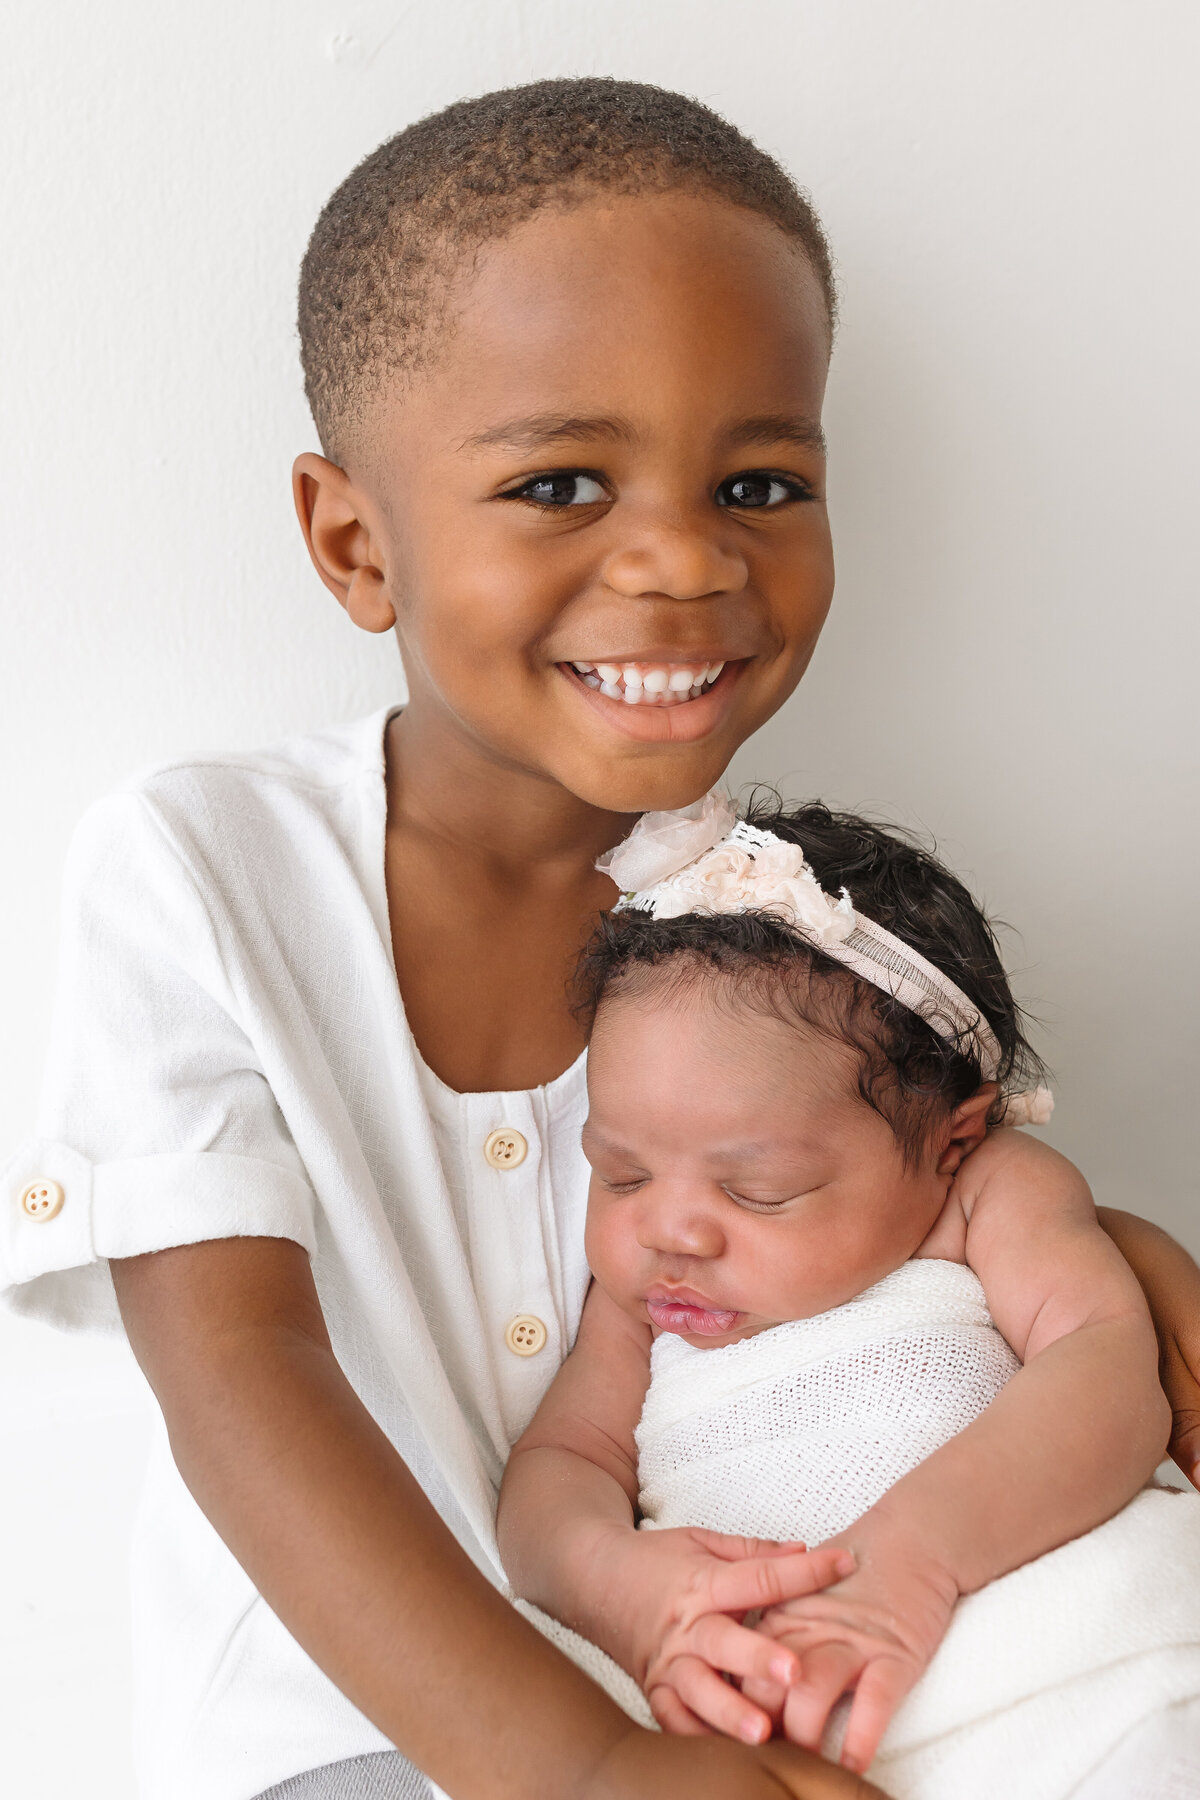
x,y
442,784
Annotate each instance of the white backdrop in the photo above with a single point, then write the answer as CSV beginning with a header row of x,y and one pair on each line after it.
x,y
1011,190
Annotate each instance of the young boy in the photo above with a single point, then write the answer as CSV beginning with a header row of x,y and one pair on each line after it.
x,y
313,1108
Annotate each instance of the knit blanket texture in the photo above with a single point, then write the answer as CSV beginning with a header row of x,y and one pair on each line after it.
x,y
794,1433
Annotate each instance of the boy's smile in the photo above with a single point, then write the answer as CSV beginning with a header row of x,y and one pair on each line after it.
x,y
598,518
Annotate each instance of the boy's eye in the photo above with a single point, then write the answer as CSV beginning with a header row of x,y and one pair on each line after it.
x,y
571,488
757,487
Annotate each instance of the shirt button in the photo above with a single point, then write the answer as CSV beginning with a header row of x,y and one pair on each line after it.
x,y
525,1335
505,1149
42,1200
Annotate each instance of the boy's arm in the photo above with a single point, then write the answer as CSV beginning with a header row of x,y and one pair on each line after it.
x,y
659,1602
328,1522
1170,1281
1069,1440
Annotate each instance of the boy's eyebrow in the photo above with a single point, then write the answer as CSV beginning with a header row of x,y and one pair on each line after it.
x,y
541,430
776,428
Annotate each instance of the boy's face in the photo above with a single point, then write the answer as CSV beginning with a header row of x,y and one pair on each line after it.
x,y
613,474
738,1178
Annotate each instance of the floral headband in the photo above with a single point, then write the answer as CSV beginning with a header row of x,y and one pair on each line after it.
x,y
704,859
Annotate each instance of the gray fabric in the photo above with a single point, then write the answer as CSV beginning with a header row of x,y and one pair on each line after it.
x,y
386,1775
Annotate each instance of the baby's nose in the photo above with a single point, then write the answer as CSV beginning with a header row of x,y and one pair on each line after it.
x,y
674,1225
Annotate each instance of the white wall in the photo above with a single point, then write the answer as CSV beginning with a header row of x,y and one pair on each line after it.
x,y
1011,188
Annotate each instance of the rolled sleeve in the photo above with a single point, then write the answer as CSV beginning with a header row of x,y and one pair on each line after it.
x,y
54,1266
158,1124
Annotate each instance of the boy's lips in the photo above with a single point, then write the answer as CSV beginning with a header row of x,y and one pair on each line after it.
x,y
648,699
680,1310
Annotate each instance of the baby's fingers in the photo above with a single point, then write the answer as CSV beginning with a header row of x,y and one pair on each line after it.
x,y
881,1687
730,1548
826,1671
737,1651
673,1716
713,1702
758,1583
770,1695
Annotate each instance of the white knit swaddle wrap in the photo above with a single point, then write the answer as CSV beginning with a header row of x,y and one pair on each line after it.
x,y
796,1432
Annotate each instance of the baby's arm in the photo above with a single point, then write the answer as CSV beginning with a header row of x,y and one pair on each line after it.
x,y
334,1531
1069,1440
660,1603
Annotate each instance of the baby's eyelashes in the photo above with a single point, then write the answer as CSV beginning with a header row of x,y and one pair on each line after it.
x,y
759,1203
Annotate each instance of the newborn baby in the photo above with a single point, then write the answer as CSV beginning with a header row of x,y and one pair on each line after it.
x,y
825,1313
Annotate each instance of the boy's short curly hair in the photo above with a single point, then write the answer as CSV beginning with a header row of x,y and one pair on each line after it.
x,y
907,1072
375,277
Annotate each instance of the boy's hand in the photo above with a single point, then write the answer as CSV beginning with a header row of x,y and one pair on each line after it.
x,y
872,1635
1171,1283
710,1768
685,1593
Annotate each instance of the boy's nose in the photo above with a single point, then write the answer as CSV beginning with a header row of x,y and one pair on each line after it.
x,y
682,562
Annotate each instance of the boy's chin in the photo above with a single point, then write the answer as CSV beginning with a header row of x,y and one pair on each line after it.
x,y
652,783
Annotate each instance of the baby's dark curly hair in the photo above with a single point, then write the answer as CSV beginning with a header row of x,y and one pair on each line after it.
x,y
909,1074
375,279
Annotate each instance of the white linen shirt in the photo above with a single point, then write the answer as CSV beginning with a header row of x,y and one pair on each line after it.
x,y
231,1058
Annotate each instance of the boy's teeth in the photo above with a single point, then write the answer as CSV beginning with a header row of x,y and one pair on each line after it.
x,y
649,684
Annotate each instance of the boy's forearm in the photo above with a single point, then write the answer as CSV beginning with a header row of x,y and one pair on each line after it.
x,y
1063,1447
337,1535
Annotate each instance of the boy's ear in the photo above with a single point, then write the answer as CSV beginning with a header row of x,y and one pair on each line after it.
x,y
333,516
967,1128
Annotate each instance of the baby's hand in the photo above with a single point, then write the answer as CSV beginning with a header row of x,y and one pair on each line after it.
x,y
872,1635
689,1590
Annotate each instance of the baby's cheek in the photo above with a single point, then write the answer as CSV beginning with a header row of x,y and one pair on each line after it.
x,y
607,1249
807,1269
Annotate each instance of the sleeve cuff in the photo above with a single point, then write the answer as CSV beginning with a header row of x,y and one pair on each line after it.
x,y
60,1211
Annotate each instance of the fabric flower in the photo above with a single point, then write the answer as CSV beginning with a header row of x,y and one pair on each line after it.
x,y
720,881
663,843
772,877
1031,1108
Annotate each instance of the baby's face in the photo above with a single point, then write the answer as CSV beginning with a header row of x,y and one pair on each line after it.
x,y
609,486
738,1179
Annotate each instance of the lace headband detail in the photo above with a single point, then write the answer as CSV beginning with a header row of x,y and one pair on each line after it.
x,y
704,859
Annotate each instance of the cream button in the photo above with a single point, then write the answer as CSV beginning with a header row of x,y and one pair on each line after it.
x,y
505,1149
42,1200
525,1335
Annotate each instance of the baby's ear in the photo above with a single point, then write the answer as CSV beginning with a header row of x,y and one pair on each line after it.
x,y
967,1128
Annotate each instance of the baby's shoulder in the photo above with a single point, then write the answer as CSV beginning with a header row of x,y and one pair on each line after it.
x,y
947,1239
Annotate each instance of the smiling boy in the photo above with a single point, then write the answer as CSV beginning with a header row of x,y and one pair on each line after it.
x,y
317,1089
